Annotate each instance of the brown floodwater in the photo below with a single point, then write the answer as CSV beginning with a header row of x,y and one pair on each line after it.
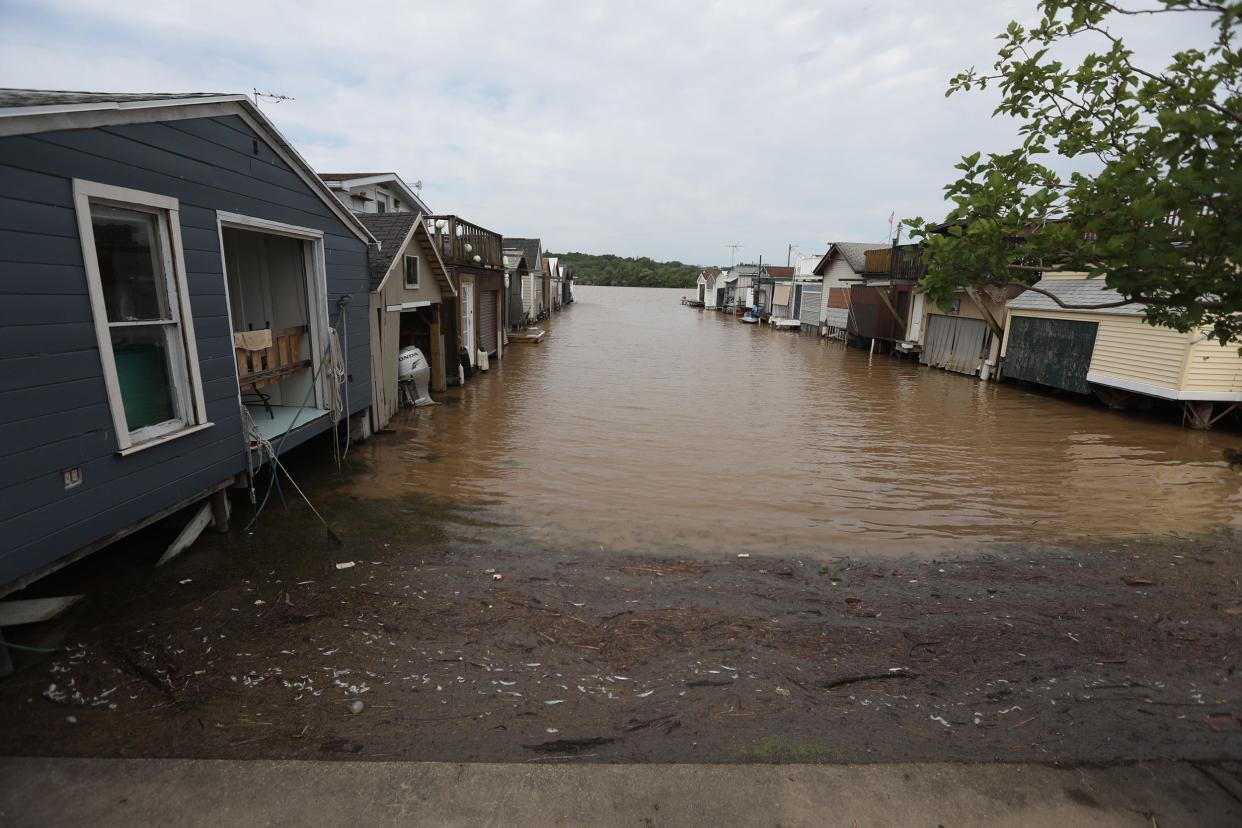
x,y
642,425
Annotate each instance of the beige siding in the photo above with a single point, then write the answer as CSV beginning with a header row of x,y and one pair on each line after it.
x,y
1211,367
386,330
835,277
1128,348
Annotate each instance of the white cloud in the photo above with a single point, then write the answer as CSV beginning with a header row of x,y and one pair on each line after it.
x,y
638,128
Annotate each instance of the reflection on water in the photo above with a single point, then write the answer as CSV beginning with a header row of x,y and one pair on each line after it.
x,y
642,424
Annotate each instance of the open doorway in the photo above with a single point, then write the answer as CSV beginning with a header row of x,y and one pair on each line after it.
x,y
420,327
274,307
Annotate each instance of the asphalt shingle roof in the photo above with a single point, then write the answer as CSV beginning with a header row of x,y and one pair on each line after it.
x,y
1074,291
530,248
11,98
853,252
389,229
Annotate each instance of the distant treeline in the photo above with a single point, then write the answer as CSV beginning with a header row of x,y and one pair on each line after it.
x,y
627,272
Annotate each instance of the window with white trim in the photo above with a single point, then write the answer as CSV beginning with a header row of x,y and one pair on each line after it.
x,y
411,272
131,246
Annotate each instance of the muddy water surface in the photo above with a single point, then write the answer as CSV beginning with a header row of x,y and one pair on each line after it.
x,y
640,424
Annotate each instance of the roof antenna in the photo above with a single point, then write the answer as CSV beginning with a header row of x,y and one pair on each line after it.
x,y
274,98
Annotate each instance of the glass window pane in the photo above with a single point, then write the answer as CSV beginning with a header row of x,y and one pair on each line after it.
x,y
142,360
131,266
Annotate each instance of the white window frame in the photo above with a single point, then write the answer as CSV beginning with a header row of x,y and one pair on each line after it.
x,y
316,278
418,272
187,383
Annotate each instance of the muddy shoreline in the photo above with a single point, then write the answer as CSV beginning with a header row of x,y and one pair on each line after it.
x,y
257,645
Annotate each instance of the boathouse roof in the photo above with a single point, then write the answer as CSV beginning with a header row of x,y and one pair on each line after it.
x,y
1074,292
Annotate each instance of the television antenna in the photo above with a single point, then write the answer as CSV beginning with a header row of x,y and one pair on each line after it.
x,y
733,255
270,96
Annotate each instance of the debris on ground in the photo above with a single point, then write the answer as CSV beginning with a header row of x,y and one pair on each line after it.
x,y
596,656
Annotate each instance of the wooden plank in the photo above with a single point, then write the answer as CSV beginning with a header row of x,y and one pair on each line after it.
x,y
34,610
201,520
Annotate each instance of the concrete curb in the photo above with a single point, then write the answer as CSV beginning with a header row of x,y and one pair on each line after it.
x,y
193,792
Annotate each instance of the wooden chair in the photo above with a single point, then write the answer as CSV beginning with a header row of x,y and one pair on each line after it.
x,y
265,366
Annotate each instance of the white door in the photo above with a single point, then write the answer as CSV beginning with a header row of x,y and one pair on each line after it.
x,y
467,314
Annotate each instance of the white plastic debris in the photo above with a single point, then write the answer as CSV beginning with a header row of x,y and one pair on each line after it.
x,y
743,554
345,565
185,581
940,719
554,701
357,706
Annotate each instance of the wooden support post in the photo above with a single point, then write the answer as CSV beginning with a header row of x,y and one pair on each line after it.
x,y
188,535
997,329
1200,414
220,509
436,357
887,300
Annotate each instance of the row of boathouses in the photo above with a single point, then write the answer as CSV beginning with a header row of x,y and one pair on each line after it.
x,y
866,295
185,299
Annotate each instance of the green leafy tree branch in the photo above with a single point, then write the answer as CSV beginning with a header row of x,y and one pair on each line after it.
x,y
1159,214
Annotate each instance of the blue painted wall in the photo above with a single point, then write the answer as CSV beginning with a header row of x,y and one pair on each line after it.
x,y
53,405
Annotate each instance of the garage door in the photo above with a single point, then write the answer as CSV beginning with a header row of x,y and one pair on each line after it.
x,y
809,313
954,343
1051,352
487,320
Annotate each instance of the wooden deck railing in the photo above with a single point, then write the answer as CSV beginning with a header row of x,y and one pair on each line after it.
x,y
466,244
903,262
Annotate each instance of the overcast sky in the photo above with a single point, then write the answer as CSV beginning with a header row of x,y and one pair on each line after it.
x,y
662,129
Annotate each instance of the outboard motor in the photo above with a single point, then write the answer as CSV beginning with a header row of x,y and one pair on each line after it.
x,y
413,377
